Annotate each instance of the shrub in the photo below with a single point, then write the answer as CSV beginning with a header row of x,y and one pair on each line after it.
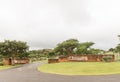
x,y
107,58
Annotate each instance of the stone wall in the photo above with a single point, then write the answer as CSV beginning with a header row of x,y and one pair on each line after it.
x,y
53,60
9,61
81,58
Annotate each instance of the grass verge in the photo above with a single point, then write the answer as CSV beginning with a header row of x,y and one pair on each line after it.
x,y
82,68
7,67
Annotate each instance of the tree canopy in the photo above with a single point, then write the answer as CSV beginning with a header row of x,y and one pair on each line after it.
x,y
73,46
14,48
117,48
66,47
41,54
83,48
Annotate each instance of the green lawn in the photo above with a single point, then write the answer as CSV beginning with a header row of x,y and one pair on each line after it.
x,y
5,67
82,68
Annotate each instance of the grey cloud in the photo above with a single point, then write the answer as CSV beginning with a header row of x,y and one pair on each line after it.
x,y
44,23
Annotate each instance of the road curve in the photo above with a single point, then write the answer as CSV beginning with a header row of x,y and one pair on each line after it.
x,y
29,73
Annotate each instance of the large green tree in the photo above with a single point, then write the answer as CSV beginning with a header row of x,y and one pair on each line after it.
x,y
12,49
66,47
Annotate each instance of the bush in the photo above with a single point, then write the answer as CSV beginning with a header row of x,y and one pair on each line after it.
x,y
107,58
117,59
1,64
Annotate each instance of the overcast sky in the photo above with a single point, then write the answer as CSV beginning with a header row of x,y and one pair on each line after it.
x,y
45,23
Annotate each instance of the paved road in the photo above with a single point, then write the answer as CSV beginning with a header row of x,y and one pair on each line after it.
x,y
29,73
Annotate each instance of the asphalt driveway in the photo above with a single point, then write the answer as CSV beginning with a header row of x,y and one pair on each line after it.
x,y
29,73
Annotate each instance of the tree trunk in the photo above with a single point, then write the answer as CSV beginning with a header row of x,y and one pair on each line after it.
x,y
12,61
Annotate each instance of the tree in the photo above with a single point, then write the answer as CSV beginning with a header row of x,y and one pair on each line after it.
x,y
111,50
66,47
84,48
117,49
46,51
12,49
95,51
36,53
41,54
